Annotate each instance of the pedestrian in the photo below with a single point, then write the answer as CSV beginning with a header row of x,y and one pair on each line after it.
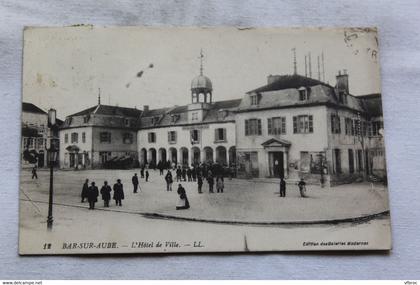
x,y
85,190
220,184
135,181
200,183
93,194
106,193
210,181
118,192
169,181
184,174
178,174
147,175
282,187
194,174
189,174
183,202
302,188
142,171
34,175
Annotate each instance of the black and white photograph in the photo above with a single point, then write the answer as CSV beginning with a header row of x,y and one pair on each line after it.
x,y
170,140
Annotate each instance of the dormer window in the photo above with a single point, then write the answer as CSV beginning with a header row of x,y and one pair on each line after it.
x,y
222,114
194,116
127,122
303,94
155,120
86,119
255,99
174,118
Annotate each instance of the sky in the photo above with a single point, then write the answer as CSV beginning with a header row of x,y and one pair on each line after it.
x,y
66,68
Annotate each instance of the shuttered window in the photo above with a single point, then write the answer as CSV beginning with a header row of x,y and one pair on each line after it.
x,y
220,135
253,127
172,137
276,125
303,124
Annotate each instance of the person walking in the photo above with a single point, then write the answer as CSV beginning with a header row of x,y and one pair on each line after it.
x,y
169,181
106,193
189,174
184,174
178,174
34,175
85,190
142,171
147,175
135,181
183,202
200,184
282,187
210,181
194,173
302,188
220,184
93,194
118,192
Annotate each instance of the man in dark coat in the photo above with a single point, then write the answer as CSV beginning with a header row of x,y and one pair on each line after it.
x,y
118,192
34,175
200,183
93,194
282,187
142,171
183,202
147,175
189,174
210,180
302,188
169,181
106,193
178,174
135,181
194,173
85,190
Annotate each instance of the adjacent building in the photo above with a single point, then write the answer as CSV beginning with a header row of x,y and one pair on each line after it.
x,y
99,137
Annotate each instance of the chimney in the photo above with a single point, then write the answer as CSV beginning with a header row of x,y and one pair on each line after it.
x,y
342,81
272,78
146,108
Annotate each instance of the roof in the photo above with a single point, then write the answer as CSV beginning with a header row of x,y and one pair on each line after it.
x,y
201,82
287,82
109,110
29,107
164,115
372,103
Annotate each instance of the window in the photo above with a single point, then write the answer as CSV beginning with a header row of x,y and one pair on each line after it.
x,y
151,137
105,137
253,127
359,160
351,161
254,99
127,122
364,128
128,138
41,143
303,124
195,136
305,161
105,156
194,116
349,129
31,143
303,94
276,125
83,137
85,119
172,137
335,124
66,138
220,135
174,118
337,156
375,127
74,137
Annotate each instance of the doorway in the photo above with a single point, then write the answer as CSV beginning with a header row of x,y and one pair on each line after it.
x,y
276,164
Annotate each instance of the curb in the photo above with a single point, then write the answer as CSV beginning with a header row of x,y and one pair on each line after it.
x,y
361,219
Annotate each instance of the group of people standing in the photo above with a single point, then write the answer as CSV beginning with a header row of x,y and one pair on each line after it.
x,y
91,193
301,184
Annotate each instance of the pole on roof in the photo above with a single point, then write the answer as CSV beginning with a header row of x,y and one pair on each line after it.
x,y
306,65
294,61
319,69
310,65
99,96
323,66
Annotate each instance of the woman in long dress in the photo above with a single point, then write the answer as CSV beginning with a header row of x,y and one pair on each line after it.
x,y
183,202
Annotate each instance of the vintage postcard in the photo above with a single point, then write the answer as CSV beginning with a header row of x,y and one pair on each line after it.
x,y
154,140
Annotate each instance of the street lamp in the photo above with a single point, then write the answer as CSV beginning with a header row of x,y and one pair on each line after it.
x,y
52,156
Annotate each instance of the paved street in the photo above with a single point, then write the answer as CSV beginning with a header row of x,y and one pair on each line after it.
x,y
242,201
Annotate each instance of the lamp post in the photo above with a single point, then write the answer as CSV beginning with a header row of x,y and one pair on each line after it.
x,y
52,155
